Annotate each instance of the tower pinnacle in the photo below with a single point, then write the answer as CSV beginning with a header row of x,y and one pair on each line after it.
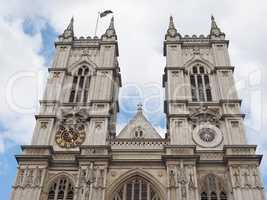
x,y
110,32
172,33
68,32
215,30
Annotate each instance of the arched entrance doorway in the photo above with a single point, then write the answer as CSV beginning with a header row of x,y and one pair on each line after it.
x,y
136,188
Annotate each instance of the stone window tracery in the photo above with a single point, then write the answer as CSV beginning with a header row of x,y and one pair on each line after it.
x,y
80,85
200,84
212,188
136,188
61,189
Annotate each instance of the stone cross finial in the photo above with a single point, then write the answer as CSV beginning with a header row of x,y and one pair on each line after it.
x,y
139,107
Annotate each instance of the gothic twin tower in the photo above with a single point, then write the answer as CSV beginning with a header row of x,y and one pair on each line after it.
x,y
76,154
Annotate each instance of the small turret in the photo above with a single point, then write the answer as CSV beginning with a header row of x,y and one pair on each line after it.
x,y
215,31
172,33
110,33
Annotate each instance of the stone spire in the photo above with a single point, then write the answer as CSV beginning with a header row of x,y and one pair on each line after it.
x,y
172,33
68,32
110,33
215,31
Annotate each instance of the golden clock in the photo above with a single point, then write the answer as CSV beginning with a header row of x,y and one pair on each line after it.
x,y
70,137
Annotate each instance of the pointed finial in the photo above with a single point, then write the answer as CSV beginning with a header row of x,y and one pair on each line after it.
x,y
110,32
171,24
70,26
212,18
215,31
172,32
68,32
111,25
213,22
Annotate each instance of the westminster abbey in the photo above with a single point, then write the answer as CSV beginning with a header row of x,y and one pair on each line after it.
x,y
77,154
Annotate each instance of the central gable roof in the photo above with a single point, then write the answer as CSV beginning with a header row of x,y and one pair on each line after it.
x,y
138,127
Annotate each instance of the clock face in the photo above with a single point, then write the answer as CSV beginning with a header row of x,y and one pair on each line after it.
x,y
70,137
207,136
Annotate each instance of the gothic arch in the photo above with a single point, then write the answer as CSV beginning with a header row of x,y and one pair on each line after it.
x,y
131,174
213,187
55,177
193,61
84,62
207,112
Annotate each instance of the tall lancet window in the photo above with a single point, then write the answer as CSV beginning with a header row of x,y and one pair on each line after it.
x,y
61,189
200,84
80,85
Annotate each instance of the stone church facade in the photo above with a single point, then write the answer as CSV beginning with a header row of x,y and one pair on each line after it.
x,y
76,154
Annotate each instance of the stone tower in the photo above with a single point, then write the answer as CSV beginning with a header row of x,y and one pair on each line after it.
x,y
78,109
76,153
204,122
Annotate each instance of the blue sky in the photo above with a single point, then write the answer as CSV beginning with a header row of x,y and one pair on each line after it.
x,y
28,31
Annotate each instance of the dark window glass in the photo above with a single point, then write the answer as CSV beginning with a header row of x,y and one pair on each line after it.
x,y
195,70
72,95
208,93
80,71
213,196
193,88
79,94
223,196
81,82
201,70
136,191
129,191
200,87
204,196
83,79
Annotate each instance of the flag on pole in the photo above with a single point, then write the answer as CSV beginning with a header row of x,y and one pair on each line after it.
x,y
105,13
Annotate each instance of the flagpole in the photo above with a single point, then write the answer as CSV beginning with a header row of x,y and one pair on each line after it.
x,y
96,26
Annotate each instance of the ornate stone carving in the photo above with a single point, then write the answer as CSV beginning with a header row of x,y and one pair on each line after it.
x,y
236,175
172,179
175,73
43,124
29,177
38,176
56,74
71,132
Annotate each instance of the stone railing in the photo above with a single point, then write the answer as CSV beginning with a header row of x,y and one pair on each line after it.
x,y
138,143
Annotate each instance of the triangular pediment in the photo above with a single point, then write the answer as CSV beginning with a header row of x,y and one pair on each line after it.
x,y
138,128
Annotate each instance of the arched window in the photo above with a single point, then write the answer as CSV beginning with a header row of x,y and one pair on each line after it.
x,y
138,133
80,85
213,196
200,84
223,196
204,196
61,189
136,188
212,188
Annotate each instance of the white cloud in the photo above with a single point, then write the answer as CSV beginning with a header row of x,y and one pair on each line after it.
x,y
18,57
